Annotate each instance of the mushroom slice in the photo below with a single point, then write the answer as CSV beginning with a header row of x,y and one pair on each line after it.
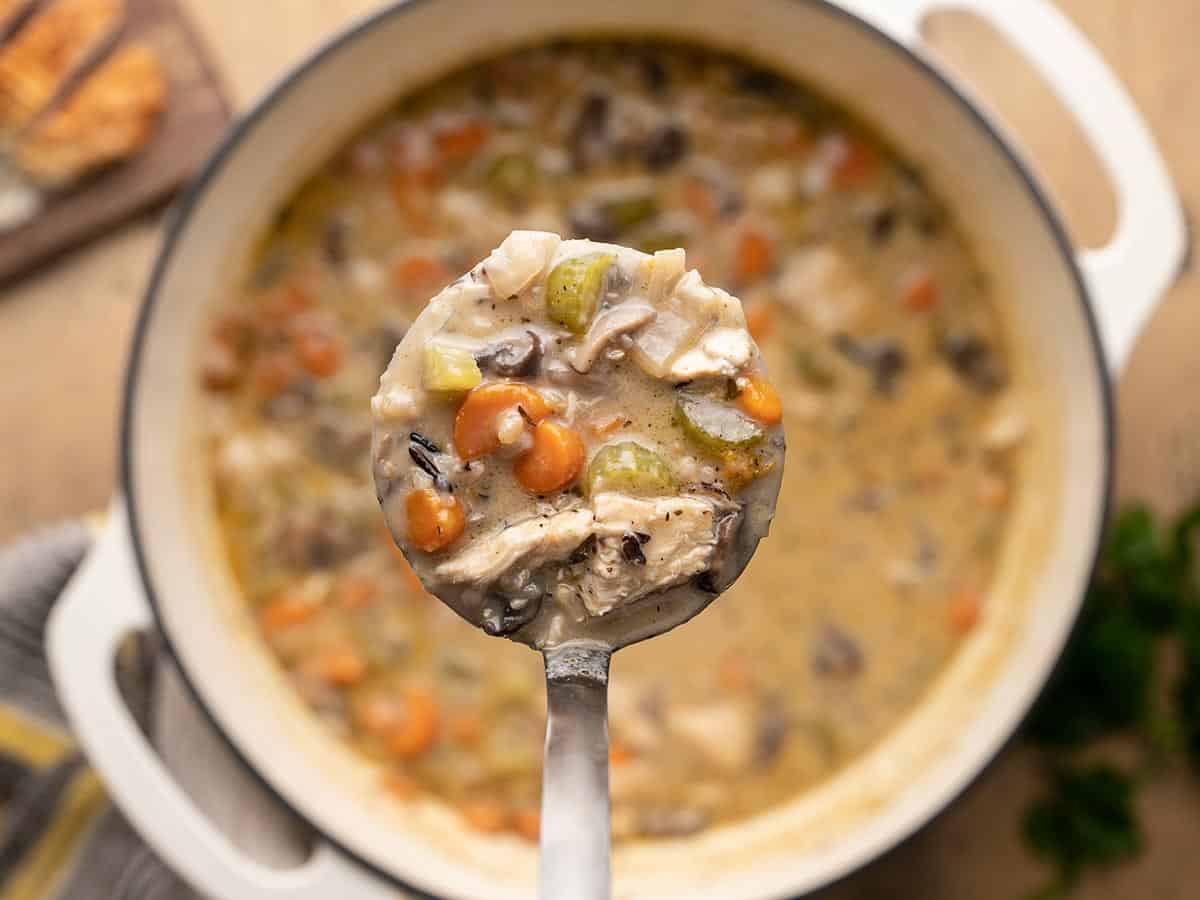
x,y
609,324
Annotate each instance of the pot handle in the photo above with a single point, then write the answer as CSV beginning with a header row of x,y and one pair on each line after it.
x,y
101,605
1127,278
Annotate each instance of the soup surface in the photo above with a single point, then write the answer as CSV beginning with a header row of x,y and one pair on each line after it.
x,y
877,327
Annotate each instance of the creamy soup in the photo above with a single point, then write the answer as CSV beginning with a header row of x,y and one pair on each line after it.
x,y
599,452
877,327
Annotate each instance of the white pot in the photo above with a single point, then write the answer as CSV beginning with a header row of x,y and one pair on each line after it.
x,y
159,562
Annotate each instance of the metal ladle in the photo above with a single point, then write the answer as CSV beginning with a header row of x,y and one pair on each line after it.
x,y
575,827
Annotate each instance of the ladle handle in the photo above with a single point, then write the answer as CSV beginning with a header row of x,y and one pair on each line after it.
x,y
575,808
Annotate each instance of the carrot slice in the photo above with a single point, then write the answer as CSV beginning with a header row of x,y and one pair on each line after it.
x,y
857,167
754,255
435,521
463,140
920,292
420,273
319,352
618,753
554,461
417,729
760,401
475,425
527,823
485,816
338,664
964,611
285,612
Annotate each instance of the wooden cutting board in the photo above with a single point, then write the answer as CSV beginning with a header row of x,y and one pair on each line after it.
x,y
196,114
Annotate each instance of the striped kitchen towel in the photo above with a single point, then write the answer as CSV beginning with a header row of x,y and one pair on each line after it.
x,y
60,837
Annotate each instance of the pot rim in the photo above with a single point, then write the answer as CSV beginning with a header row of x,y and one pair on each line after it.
x,y
180,216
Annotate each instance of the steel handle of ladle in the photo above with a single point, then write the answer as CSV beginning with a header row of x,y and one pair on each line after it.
x,y
576,841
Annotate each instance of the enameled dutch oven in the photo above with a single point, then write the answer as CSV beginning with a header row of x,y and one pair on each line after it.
x,y
1074,316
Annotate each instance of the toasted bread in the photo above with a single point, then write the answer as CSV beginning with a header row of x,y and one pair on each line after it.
x,y
108,118
39,59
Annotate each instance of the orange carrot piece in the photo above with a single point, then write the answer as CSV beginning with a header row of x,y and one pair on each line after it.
x,y
964,611
338,664
619,753
284,612
319,352
527,823
435,521
420,273
463,140
760,401
475,424
920,292
417,729
754,255
857,167
485,816
553,462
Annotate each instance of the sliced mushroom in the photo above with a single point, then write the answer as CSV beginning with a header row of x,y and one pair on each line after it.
x,y
589,141
883,357
610,324
665,146
836,655
774,725
974,360
334,241
512,357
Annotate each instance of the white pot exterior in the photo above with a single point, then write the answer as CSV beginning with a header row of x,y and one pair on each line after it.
x,y
821,835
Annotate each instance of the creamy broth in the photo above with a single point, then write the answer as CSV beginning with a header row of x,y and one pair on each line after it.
x,y
878,329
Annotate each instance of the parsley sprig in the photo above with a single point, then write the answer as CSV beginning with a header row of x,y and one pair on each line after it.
x,y
1143,596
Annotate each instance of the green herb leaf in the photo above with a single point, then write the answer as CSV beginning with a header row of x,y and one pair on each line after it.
x,y
1187,692
1087,819
1102,682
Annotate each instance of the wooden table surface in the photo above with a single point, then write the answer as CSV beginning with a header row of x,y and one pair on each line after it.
x,y
63,334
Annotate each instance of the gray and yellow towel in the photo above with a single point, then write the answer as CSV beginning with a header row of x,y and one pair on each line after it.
x,y
60,837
